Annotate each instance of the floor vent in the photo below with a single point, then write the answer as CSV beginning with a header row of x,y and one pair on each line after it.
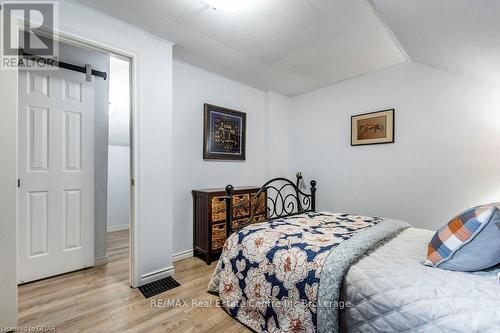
x,y
158,287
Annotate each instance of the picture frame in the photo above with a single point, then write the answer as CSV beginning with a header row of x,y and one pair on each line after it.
x,y
373,128
224,133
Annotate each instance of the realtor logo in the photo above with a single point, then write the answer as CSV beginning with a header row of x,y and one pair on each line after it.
x,y
28,35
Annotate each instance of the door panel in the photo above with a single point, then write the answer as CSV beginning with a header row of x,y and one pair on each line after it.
x,y
72,91
72,140
56,168
72,219
38,83
38,205
38,133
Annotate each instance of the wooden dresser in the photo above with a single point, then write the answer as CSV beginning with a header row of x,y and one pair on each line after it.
x,y
209,217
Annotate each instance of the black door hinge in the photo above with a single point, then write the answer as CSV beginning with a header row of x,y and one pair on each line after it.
x,y
19,183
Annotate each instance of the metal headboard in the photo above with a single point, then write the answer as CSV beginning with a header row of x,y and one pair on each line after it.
x,y
283,198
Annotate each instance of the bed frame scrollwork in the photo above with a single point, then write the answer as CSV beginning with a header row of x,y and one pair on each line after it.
x,y
283,198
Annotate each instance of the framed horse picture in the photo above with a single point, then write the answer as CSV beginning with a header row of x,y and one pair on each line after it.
x,y
372,128
224,133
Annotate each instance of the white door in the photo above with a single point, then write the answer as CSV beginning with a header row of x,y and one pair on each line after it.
x,y
56,171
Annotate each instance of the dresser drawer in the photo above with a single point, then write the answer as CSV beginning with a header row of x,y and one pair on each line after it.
x,y
243,222
260,203
259,218
218,209
239,223
241,207
218,236
209,218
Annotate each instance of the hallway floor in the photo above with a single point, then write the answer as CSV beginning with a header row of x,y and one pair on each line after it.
x,y
99,299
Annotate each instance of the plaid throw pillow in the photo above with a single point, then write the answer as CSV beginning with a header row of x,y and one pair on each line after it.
x,y
449,247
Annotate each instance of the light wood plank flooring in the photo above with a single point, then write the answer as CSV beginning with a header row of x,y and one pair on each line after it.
x,y
100,300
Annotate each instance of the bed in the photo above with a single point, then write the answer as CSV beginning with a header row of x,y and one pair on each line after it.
x,y
389,290
307,271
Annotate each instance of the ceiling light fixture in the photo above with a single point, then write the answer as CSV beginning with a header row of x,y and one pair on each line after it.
x,y
228,5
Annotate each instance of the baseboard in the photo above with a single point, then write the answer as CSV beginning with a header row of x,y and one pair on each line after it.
x,y
182,255
101,261
156,275
117,227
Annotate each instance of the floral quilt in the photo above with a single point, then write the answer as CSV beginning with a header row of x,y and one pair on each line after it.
x,y
268,274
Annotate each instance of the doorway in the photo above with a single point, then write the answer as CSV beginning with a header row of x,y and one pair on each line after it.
x,y
119,153
64,158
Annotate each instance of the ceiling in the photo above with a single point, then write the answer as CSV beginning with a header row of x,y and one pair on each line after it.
x,y
294,46
458,36
290,47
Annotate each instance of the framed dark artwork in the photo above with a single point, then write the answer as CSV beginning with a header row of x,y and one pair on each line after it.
x,y
224,133
372,128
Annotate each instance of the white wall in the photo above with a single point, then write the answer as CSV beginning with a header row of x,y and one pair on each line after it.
x,y
119,102
119,150
8,199
445,156
192,88
153,142
154,113
118,187
278,136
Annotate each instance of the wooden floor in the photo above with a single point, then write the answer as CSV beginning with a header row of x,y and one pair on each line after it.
x,y
100,300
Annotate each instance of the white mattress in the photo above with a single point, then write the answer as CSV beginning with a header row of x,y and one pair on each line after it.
x,y
391,291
